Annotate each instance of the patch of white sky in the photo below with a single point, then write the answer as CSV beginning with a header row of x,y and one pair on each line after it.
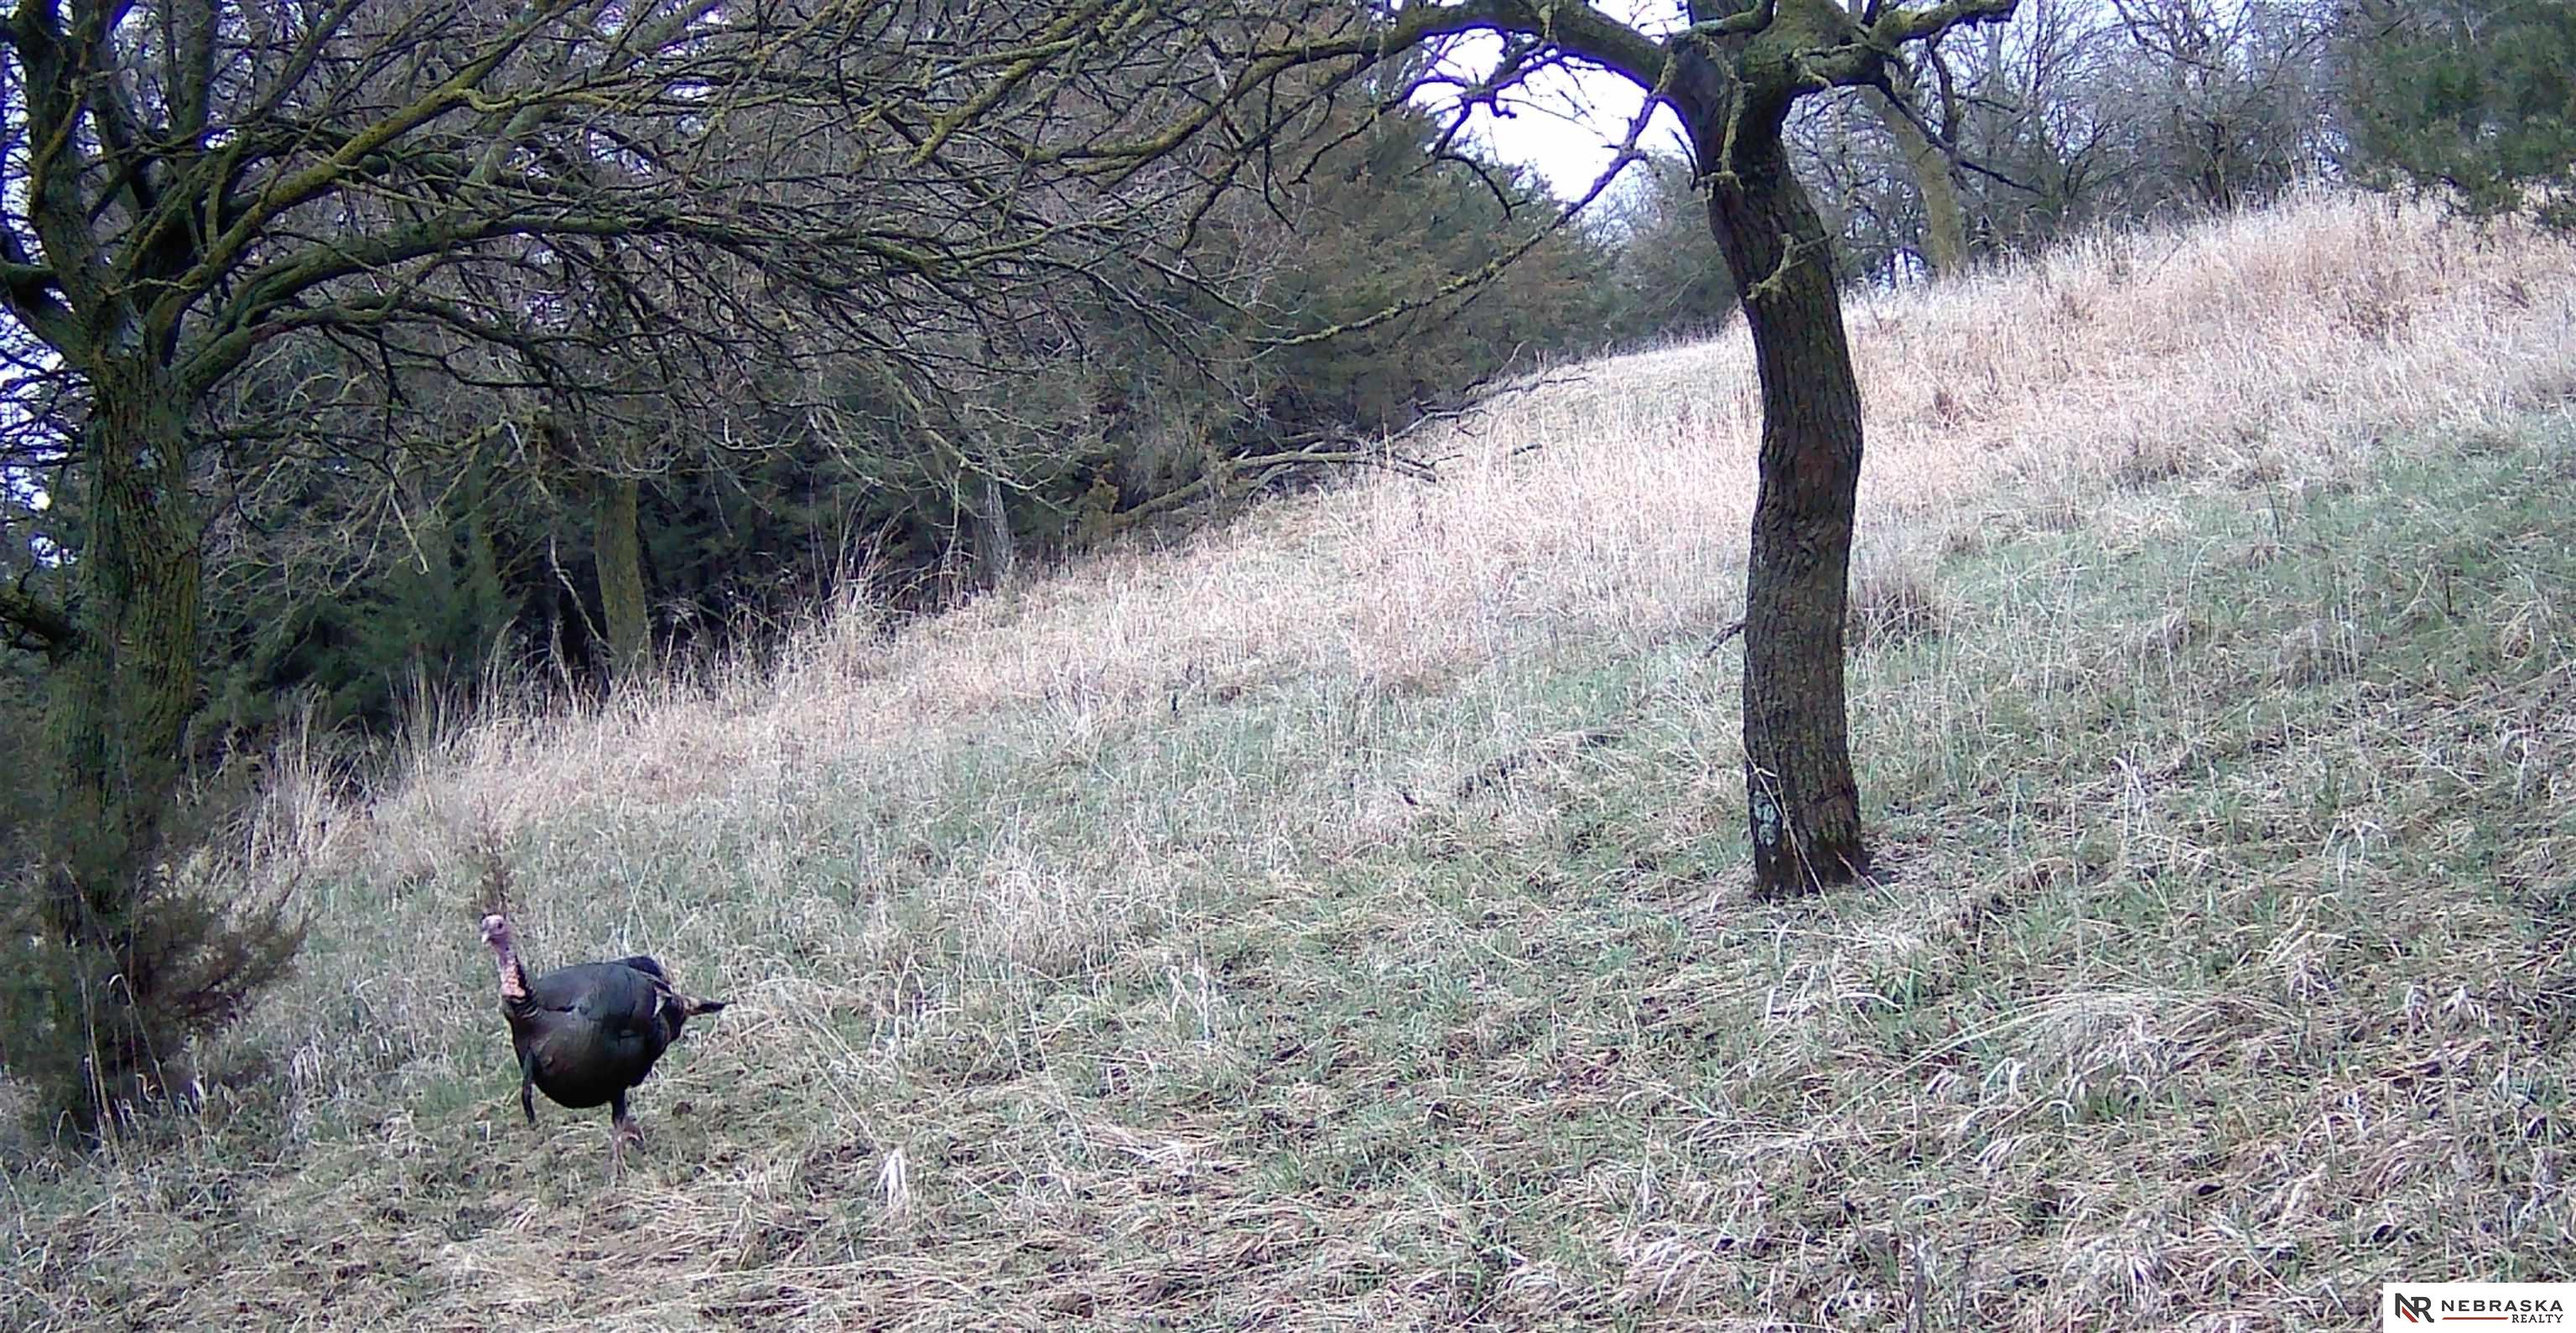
x,y
1566,121
19,486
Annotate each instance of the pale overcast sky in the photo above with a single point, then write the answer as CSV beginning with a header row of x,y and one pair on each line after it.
x,y
1568,123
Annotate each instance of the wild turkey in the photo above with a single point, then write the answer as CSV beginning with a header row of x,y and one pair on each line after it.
x,y
587,1033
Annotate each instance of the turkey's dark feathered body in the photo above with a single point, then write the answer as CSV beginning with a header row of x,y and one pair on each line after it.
x,y
589,1032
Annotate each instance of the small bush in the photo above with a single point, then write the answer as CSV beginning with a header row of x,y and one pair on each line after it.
x,y
98,1020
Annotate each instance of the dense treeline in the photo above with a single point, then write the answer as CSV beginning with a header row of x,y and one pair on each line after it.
x,y
500,553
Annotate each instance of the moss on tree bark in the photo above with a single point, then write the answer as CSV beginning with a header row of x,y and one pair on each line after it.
x,y
623,602
122,701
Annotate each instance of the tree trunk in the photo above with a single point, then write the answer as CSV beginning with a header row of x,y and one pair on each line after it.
x,y
995,553
1945,221
619,553
491,609
1804,802
121,704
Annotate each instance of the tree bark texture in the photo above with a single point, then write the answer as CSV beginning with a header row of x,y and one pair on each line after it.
x,y
623,603
1945,219
996,554
121,704
1803,802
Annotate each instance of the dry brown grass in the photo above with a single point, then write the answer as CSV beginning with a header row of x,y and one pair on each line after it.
x,y
2271,349
1333,921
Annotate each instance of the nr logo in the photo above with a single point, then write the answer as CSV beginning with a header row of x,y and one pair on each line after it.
x,y
2412,1309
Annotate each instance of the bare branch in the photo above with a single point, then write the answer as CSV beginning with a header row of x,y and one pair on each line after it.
x,y
37,625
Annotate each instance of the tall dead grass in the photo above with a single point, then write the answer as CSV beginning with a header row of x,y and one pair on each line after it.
x,y
2265,350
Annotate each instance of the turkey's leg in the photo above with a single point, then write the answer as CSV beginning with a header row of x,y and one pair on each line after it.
x,y
622,1130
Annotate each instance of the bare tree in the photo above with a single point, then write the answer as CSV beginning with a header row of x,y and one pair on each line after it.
x,y
1732,70
2235,94
2083,113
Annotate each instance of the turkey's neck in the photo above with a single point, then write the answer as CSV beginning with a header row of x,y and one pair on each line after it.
x,y
514,978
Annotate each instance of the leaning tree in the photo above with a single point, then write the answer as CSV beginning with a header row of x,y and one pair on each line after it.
x,y
1731,70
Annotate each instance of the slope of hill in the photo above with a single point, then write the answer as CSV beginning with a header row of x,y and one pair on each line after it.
x,y
1337,920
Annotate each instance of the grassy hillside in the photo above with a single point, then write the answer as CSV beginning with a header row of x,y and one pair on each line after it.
x,y
1339,921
